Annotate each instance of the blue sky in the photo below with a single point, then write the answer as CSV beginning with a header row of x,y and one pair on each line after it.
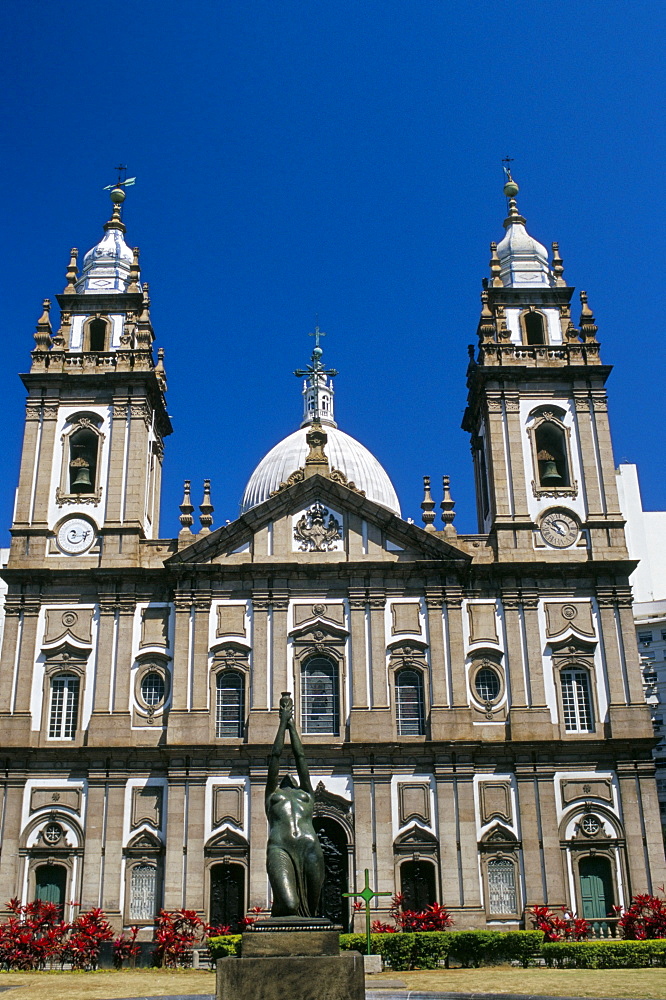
x,y
338,158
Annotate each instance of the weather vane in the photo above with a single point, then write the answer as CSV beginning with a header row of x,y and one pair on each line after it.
x,y
122,181
507,169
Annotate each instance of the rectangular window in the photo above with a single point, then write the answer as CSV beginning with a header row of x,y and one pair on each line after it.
x,y
64,708
319,697
645,638
502,886
143,892
576,701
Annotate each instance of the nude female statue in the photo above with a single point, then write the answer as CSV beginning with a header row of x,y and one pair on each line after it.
x,y
294,858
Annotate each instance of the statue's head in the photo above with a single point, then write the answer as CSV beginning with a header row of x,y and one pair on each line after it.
x,y
288,782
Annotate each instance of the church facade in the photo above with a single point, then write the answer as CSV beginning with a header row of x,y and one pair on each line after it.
x,y
471,705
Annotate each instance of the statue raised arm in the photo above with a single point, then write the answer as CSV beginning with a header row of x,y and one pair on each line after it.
x,y
294,858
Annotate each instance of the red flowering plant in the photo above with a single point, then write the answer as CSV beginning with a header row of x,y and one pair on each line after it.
x,y
379,927
246,922
125,949
33,935
645,919
85,939
556,928
175,933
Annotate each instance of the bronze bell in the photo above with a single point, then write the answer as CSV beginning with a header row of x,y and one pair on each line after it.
x,y
82,483
549,474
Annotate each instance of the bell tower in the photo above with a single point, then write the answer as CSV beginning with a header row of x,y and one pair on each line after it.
x,y
537,410
89,483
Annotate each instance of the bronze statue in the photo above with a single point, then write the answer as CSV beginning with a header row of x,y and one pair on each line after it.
x,y
294,858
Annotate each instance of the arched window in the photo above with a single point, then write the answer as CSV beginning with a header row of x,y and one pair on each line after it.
x,y
550,441
501,886
535,328
230,707
596,887
83,456
319,697
95,336
409,702
143,892
64,707
576,700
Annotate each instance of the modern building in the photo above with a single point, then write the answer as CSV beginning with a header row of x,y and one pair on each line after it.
x,y
646,541
471,705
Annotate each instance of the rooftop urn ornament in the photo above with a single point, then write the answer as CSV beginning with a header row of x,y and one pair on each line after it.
x,y
367,895
588,327
428,506
72,273
206,508
44,332
186,510
294,858
447,505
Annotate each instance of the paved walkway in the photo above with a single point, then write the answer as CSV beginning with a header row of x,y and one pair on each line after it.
x,y
395,993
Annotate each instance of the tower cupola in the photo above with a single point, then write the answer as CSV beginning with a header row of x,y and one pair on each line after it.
x,y
523,260
107,265
317,386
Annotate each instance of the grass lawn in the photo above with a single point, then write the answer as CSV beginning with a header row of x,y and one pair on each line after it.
x,y
631,983
644,984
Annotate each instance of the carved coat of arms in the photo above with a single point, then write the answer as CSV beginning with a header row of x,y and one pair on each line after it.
x,y
317,530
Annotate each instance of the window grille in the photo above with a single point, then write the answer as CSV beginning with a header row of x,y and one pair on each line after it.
x,y
487,684
576,701
143,892
409,702
64,710
645,638
502,886
152,688
230,710
319,697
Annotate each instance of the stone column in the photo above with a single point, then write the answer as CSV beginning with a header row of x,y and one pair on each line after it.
x,y
137,453
280,633
377,604
383,842
600,417
357,611
590,487
114,487
628,634
434,600
535,890
500,486
516,438
555,885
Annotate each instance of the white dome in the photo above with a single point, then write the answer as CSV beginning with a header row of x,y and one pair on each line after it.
x,y
343,453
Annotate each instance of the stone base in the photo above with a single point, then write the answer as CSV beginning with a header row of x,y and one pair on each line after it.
x,y
301,977
372,964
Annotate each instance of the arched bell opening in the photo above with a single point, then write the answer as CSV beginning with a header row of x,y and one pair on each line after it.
x,y
333,840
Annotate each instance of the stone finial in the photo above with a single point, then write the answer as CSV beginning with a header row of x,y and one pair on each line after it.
x,y
588,328
206,508
133,285
428,506
144,328
71,274
486,327
447,505
44,331
317,460
558,265
186,510
495,267
116,222
159,369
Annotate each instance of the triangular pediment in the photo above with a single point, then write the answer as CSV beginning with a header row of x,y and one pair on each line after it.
x,y
291,512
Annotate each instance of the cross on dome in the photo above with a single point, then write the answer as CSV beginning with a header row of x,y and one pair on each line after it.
x,y
317,386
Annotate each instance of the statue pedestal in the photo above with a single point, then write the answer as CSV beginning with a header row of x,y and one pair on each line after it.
x,y
281,959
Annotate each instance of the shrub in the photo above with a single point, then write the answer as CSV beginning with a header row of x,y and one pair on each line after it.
x,y
645,919
33,935
433,918
426,950
125,949
605,954
520,946
175,933
556,928
85,939
223,945
473,948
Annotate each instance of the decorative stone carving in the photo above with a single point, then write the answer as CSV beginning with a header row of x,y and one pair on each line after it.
x,y
62,623
317,530
482,623
495,801
414,802
147,806
228,805
68,798
564,615
405,618
155,627
230,619
305,612
596,788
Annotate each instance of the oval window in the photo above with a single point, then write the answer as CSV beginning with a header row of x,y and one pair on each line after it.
x,y
487,684
152,688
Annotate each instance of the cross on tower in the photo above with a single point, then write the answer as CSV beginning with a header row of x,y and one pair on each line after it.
x,y
317,334
367,895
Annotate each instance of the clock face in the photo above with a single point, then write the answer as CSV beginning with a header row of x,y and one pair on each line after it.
x,y
559,529
76,535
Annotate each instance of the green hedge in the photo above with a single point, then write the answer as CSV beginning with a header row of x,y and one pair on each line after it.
x,y
427,950
227,944
605,954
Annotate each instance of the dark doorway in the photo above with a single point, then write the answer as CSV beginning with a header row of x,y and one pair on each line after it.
x,y
596,888
417,885
334,845
50,884
227,895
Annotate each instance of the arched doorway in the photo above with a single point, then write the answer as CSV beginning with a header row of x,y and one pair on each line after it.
x,y
227,895
334,845
51,884
417,885
596,887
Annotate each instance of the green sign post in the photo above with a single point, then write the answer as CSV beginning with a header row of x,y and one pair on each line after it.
x,y
367,895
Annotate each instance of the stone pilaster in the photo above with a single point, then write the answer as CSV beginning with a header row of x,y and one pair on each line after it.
x,y
33,416
514,651
94,851
10,639
449,838
113,846
105,654
194,883
434,600
377,604
357,612
126,609
590,485
456,647
10,870
176,846
500,485
260,606
258,836
202,604
280,606
28,654
468,838
116,475
47,448
181,652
